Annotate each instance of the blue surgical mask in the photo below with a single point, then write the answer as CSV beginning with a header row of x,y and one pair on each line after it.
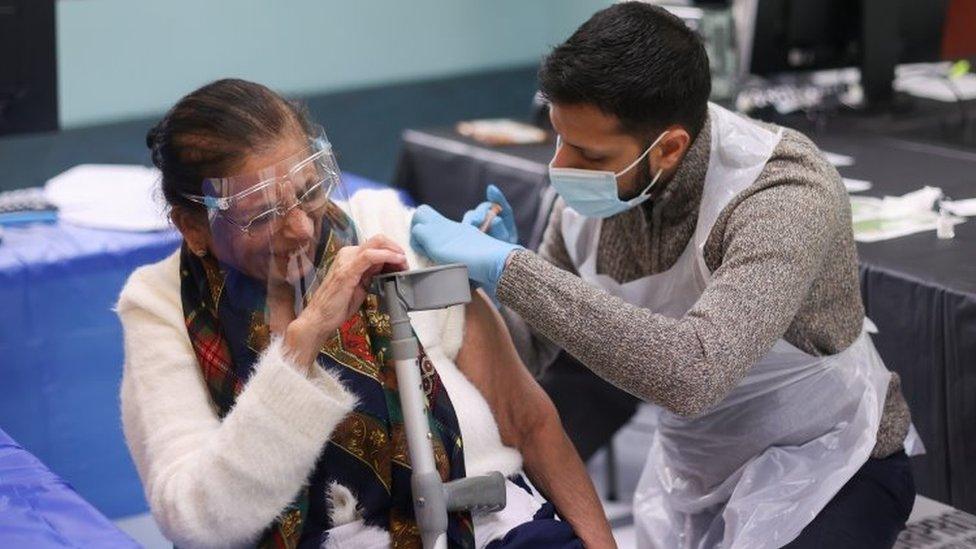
x,y
593,193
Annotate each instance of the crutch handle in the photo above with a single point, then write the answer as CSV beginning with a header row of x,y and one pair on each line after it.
x,y
482,494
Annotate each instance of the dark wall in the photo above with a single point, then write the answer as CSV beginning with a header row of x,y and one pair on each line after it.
x,y
28,66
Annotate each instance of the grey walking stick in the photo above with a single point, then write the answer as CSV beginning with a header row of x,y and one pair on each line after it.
x,y
422,290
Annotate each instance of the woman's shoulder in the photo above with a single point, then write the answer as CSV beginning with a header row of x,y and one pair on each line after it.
x,y
380,211
155,286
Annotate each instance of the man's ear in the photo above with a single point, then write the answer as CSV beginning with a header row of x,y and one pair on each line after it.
x,y
669,152
194,228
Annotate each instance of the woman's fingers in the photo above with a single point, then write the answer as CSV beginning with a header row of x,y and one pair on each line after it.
x,y
367,278
355,266
382,242
352,261
371,261
347,282
378,257
358,296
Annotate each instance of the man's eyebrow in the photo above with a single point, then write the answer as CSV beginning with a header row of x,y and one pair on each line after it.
x,y
576,146
588,150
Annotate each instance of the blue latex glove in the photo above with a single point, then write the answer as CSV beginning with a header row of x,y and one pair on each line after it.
x,y
446,241
503,226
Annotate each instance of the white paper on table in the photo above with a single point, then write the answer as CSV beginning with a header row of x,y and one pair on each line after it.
x,y
109,196
888,229
856,185
964,208
839,160
938,87
922,200
895,216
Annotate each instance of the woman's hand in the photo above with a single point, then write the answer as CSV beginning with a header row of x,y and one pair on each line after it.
x,y
340,294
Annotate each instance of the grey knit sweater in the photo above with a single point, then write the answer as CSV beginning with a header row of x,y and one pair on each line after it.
x,y
783,264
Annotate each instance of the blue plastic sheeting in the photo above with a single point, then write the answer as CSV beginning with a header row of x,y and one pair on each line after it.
x,y
38,509
61,350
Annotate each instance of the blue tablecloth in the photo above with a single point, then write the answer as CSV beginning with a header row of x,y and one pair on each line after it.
x,y
61,350
39,510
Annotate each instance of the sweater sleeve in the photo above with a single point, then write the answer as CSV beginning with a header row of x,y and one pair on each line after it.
x,y
208,481
771,255
535,349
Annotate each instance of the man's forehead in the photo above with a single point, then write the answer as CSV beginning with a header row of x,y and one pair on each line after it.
x,y
584,122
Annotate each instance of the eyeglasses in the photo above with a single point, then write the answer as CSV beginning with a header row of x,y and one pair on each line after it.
x,y
253,201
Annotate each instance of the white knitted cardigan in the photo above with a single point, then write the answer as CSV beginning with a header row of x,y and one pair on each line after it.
x,y
213,483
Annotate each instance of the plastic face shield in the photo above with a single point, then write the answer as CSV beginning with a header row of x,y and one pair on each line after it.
x,y
272,231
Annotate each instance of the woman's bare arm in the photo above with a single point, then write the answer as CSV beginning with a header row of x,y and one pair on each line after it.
x,y
528,420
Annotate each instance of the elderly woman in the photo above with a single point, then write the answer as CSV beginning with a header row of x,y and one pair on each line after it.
x,y
256,400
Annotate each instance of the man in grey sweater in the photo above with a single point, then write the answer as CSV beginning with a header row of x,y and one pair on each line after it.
x,y
714,276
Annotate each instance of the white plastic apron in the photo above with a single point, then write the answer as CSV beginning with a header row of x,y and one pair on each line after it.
x,y
757,468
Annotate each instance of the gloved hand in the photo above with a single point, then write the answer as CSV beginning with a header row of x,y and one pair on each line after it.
x,y
503,226
446,241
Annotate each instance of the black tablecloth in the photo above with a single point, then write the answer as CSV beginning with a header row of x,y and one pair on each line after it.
x,y
920,291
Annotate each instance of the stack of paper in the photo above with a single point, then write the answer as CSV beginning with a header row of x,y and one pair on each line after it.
x,y
115,197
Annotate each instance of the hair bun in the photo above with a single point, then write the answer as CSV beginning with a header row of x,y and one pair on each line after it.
x,y
151,136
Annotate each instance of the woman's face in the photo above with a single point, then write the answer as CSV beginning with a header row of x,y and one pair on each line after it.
x,y
275,248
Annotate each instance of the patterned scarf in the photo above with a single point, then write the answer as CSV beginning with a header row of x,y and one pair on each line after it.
x,y
367,452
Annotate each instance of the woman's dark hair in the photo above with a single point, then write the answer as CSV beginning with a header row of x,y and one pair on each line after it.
x,y
209,132
637,62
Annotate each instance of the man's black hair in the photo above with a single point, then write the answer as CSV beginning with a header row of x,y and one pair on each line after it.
x,y
637,62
